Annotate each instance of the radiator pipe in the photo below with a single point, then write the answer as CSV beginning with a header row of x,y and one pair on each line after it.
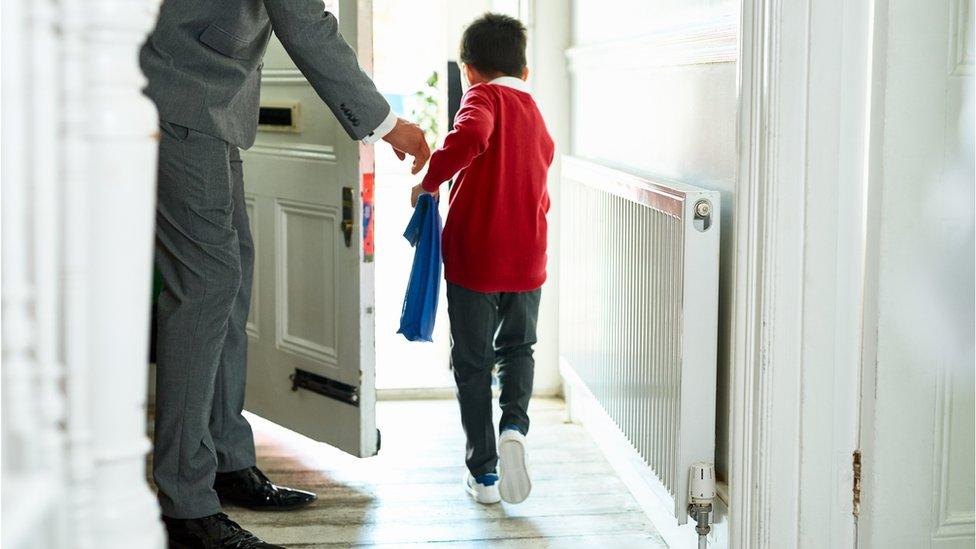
x,y
700,512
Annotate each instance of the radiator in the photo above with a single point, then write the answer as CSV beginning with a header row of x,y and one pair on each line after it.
x,y
638,311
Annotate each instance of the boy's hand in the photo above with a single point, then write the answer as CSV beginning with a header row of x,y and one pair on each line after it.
x,y
407,138
415,193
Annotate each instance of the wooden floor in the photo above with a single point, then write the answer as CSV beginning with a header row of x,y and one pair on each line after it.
x,y
411,494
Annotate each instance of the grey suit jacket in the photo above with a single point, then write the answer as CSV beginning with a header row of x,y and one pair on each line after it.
x,y
203,61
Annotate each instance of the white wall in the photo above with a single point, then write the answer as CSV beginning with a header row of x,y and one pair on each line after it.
x,y
651,94
549,36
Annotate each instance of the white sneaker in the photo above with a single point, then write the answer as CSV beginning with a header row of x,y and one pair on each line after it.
x,y
482,493
513,467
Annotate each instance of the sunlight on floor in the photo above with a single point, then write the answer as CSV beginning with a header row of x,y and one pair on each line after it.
x,y
411,492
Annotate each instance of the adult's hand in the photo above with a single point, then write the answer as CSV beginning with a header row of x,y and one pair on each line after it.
x,y
407,138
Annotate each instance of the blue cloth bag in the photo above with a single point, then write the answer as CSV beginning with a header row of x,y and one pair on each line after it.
x,y
420,304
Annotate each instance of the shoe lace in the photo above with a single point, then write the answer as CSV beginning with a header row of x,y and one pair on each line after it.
x,y
229,532
259,474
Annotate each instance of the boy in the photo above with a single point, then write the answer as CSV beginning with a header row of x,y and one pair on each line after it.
x,y
494,248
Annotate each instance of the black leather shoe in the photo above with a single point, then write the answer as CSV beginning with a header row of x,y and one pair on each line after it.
x,y
211,532
250,488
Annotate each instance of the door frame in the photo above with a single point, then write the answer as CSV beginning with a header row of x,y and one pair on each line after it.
x,y
804,100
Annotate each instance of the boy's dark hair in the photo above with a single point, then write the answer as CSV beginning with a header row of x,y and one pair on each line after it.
x,y
494,44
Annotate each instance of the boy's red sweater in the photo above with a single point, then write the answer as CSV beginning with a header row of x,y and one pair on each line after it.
x,y
494,239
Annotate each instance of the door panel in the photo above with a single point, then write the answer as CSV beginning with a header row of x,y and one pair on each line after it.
x,y
310,367
308,283
917,430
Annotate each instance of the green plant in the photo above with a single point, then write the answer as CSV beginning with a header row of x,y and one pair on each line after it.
x,y
426,110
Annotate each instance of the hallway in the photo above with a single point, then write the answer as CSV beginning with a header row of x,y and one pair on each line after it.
x,y
760,244
411,492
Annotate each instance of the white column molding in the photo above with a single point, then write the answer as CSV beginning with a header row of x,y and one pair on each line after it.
x,y
18,325
119,132
799,224
746,476
78,215
45,153
19,423
32,439
769,245
549,25
79,378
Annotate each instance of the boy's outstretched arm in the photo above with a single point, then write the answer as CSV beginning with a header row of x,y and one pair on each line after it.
x,y
473,125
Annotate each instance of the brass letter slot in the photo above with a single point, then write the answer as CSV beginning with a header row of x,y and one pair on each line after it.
x,y
324,386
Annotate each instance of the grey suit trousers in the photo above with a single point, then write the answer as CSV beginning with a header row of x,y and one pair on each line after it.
x,y
205,254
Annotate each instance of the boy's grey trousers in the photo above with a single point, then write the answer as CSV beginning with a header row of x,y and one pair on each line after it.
x,y
489,329
205,255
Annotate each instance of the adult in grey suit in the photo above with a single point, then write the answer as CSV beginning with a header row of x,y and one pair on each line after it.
x,y
203,62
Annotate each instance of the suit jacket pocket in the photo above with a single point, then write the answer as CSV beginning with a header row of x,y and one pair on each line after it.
x,y
177,132
225,42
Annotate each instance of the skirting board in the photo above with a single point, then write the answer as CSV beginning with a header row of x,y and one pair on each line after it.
x,y
583,408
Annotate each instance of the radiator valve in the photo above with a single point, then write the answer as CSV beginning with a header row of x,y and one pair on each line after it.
x,y
701,493
703,208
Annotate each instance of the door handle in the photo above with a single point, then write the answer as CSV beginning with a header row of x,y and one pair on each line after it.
x,y
347,215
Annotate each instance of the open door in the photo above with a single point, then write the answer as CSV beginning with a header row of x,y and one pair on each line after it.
x,y
918,411
309,197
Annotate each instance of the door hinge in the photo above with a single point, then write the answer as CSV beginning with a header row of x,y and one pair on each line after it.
x,y
857,484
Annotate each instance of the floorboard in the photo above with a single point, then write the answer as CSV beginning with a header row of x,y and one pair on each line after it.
x,y
411,495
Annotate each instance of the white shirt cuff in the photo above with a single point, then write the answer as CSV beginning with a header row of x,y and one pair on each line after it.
x,y
385,127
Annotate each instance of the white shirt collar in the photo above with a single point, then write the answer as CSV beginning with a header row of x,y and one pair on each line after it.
x,y
512,82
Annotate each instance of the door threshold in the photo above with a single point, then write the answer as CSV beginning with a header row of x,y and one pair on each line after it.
x,y
417,393
422,393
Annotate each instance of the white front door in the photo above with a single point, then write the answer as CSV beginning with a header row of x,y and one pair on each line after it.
x,y
308,190
917,431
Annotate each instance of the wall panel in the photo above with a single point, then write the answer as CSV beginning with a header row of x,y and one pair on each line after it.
x,y
653,87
